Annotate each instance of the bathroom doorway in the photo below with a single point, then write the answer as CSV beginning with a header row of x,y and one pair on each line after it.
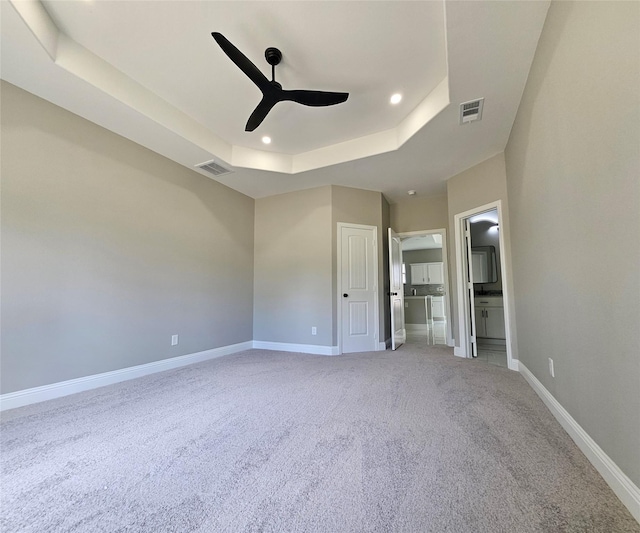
x,y
482,287
488,303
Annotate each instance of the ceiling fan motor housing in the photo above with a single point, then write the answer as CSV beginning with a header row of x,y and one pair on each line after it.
x,y
273,56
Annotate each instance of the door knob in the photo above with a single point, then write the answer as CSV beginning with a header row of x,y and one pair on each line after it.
x,y
345,295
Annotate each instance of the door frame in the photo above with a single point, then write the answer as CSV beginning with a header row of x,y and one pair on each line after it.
x,y
464,303
376,306
445,266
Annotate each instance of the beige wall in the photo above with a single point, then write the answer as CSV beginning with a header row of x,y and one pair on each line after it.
x,y
573,167
420,213
108,249
296,261
480,185
293,268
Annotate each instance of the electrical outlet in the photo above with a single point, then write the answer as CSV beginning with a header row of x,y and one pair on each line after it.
x,y
174,340
314,330
551,370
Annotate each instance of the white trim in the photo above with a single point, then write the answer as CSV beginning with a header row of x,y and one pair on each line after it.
x,y
458,351
377,257
314,349
382,346
24,397
619,482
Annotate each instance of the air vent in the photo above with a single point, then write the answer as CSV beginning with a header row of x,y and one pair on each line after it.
x,y
470,111
212,167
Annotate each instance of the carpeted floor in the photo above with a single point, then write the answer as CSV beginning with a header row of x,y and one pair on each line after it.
x,y
411,441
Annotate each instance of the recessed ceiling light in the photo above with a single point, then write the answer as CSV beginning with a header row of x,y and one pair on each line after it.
x,y
395,98
411,192
266,140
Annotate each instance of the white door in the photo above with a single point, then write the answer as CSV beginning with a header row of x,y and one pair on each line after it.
x,y
396,291
358,288
469,283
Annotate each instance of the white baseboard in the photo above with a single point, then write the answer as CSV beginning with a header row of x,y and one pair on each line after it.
x,y
298,348
619,482
24,397
382,346
514,365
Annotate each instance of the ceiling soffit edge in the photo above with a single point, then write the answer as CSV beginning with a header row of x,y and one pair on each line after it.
x,y
82,63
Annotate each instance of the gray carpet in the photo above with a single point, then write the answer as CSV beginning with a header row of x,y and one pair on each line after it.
x,y
411,441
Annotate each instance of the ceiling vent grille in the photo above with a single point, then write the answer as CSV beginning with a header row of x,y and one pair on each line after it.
x,y
212,167
471,111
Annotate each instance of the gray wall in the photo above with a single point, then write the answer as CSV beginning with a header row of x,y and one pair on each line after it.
x,y
432,255
108,249
293,268
573,167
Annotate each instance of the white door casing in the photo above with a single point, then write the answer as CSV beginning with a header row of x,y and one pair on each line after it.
x,y
357,283
396,291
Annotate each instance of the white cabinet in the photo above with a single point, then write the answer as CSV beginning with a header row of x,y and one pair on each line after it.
x,y
437,307
489,313
427,273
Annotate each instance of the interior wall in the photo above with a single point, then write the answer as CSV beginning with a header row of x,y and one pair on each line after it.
x,y
573,162
108,249
431,255
293,268
420,213
482,184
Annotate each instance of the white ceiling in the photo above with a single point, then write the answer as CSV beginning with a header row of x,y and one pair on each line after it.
x,y
422,242
150,71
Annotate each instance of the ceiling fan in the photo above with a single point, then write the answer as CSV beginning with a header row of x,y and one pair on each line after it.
x,y
272,91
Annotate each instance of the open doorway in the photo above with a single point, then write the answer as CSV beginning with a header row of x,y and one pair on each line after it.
x,y
488,302
425,287
482,286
